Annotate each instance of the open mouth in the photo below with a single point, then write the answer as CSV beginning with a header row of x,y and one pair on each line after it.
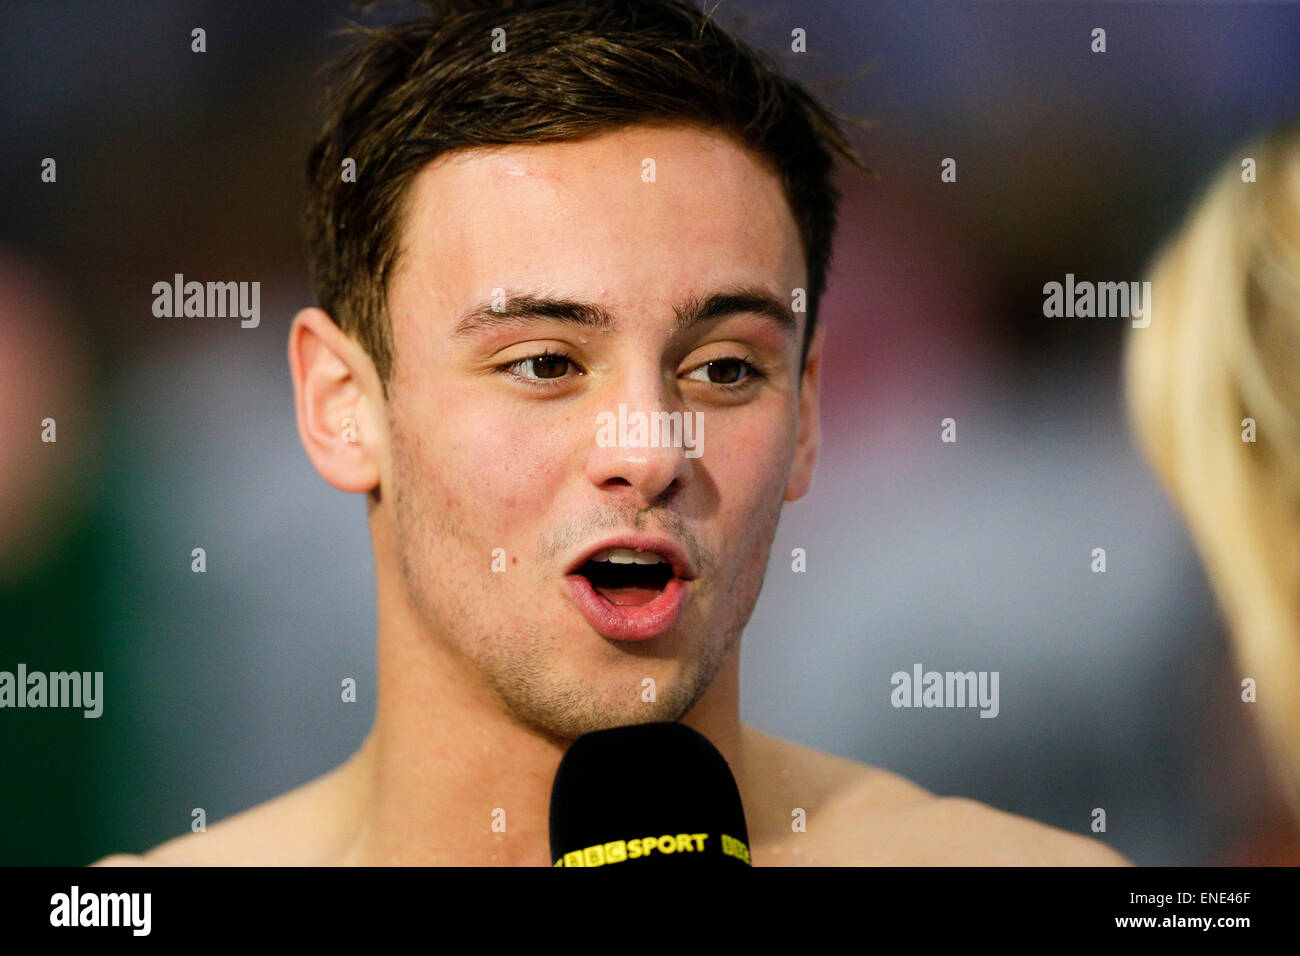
x,y
632,589
625,577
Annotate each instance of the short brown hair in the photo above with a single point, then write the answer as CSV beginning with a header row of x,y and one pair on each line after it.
x,y
571,69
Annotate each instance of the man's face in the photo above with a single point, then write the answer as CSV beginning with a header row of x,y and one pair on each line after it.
x,y
501,479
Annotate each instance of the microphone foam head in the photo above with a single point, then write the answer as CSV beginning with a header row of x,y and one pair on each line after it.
x,y
657,794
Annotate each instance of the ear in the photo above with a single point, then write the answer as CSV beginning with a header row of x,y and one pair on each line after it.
x,y
809,439
338,399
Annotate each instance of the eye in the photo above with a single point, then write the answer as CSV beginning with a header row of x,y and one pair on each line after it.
x,y
729,372
544,367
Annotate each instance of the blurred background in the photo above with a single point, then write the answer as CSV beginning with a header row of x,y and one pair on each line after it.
x,y
222,689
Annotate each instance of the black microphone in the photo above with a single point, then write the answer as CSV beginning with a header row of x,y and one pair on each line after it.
x,y
646,795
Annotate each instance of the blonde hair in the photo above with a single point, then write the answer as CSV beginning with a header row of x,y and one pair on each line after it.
x,y
1223,345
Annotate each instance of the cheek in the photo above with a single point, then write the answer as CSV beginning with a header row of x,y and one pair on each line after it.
x,y
497,466
750,456
750,463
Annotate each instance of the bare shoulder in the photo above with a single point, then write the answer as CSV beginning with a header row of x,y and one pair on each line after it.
x,y
859,815
957,831
247,838
122,859
815,778
297,828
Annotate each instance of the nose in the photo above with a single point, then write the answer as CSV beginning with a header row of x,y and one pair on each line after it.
x,y
641,445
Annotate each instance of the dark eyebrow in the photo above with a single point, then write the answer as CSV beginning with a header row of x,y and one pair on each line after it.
x,y
718,305
527,307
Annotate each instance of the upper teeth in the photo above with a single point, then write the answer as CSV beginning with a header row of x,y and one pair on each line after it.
x,y
627,556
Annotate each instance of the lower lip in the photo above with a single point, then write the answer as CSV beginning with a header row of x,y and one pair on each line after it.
x,y
628,622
